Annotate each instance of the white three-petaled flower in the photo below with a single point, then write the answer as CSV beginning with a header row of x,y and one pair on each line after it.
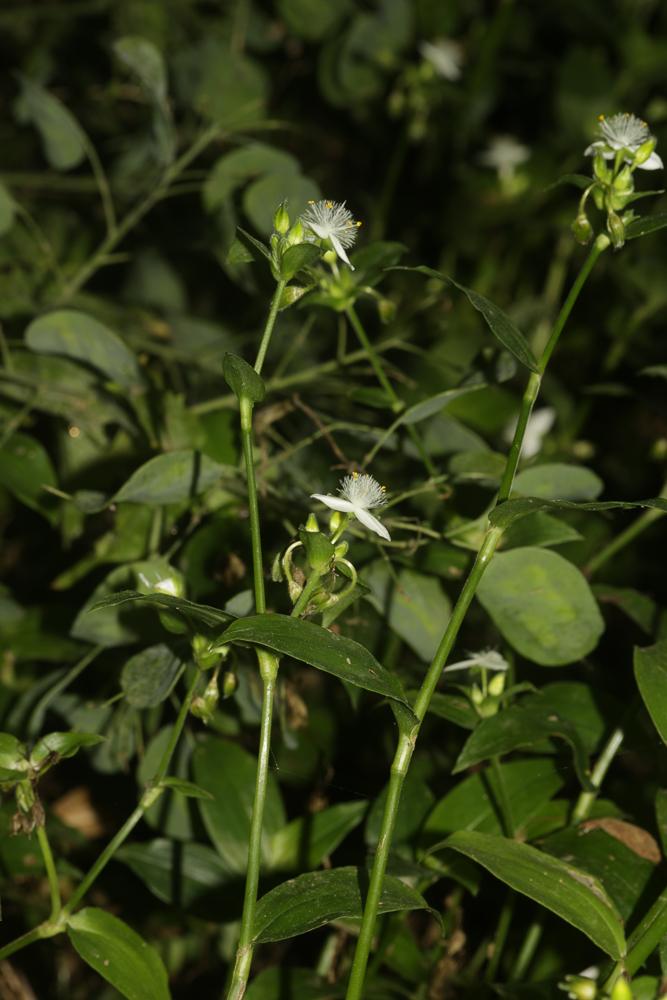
x,y
623,132
329,220
358,493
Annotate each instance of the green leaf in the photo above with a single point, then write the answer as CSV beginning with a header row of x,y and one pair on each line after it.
x,y
454,708
231,91
651,675
172,477
317,898
236,168
186,788
297,257
194,614
182,874
149,676
640,608
13,763
291,983
475,803
647,224
513,510
312,20
310,643
415,605
305,841
623,873
146,62
527,724
542,605
541,529
118,954
500,325
60,745
434,404
661,816
559,481
63,139
242,379
26,471
228,773
82,337
7,209
574,895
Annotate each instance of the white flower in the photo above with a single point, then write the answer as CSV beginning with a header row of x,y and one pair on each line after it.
x,y
489,659
445,56
330,220
623,132
504,154
358,493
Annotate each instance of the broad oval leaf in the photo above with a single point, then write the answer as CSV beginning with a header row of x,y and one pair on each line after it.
x,y
149,676
118,954
415,605
79,336
542,605
574,895
27,472
317,898
559,481
183,874
172,477
651,675
227,772
312,644
145,61
63,139
242,379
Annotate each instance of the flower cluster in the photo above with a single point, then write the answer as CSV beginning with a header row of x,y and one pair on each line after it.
x,y
625,144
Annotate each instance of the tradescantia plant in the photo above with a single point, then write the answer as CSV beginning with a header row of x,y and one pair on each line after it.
x,y
269,727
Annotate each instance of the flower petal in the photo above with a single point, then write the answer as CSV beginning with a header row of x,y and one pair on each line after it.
x,y
653,163
594,147
336,503
340,250
371,523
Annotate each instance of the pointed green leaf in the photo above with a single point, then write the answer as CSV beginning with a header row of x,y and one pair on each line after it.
x,y
498,322
172,477
242,379
118,954
183,874
63,139
317,898
651,676
574,895
194,614
148,677
310,643
305,841
186,788
77,335
647,224
296,257
513,510
59,745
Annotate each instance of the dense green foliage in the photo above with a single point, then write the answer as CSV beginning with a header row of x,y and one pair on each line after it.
x,y
147,148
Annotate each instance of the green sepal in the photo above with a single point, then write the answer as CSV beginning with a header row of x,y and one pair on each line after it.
x,y
319,550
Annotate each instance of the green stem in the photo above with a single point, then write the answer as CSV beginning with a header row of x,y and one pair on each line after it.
x,y
36,934
51,873
638,526
102,185
396,403
269,671
309,589
500,939
407,740
643,941
149,797
584,803
253,506
270,323
505,802
135,215
528,949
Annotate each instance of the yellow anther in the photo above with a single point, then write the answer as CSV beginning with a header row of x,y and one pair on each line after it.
x,y
329,204
311,201
600,118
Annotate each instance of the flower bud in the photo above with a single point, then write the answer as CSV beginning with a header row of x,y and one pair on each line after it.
x,y
579,987
616,230
497,684
644,151
600,169
204,706
341,550
329,257
230,682
205,654
281,221
621,990
624,183
582,229
311,523
296,234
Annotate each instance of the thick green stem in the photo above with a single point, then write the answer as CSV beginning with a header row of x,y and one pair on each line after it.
x,y
135,215
268,329
269,671
51,873
396,402
407,741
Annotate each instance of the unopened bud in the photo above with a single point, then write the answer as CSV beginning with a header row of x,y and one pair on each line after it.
x,y
624,182
311,523
616,230
497,683
329,257
582,229
296,233
341,550
600,169
230,682
281,220
621,990
579,987
205,705
644,151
